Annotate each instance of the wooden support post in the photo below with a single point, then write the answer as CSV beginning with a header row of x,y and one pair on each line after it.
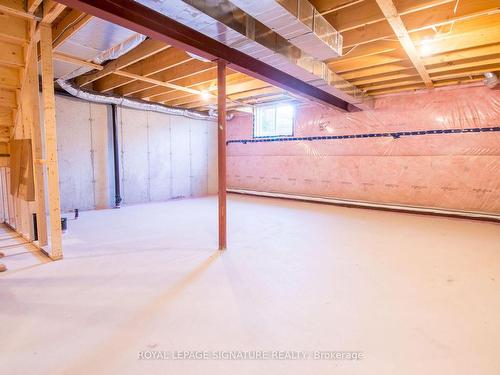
x,y
221,142
50,141
36,145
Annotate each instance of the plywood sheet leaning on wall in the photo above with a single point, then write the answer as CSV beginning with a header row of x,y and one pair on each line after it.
x,y
21,167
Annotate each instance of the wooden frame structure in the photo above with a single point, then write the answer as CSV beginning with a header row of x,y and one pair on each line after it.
x,y
50,140
24,122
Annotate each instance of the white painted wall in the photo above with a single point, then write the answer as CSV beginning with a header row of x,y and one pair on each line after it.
x,y
162,156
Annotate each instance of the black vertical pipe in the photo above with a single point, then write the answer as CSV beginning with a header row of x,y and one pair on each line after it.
x,y
116,157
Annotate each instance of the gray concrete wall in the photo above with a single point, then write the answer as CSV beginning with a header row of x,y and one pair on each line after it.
x,y
161,156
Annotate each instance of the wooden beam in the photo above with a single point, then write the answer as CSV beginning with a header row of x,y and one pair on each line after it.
x,y
467,72
460,81
389,84
244,84
474,37
366,50
221,147
146,49
392,16
156,82
370,61
172,74
406,73
335,6
248,99
76,61
382,69
32,5
51,10
464,65
208,77
147,67
68,26
16,11
445,14
461,54
346,19
427,19
50,141
36,145
419,86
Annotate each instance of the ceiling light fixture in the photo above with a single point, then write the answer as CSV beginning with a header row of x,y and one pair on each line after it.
x,y
205,95
425,46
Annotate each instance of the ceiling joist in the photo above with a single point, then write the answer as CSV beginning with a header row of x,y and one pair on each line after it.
x,y
392,16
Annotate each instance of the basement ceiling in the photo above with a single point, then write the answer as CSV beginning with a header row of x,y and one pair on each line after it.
x,y
389,46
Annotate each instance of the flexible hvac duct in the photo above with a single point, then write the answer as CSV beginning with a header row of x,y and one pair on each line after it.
x,y
491,80
120,49
91,96
111,53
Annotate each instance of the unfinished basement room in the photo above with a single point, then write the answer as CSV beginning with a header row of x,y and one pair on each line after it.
x,y
275,187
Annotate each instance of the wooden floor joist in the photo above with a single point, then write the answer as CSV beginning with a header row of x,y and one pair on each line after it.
x,y
394,19
378,53
147,48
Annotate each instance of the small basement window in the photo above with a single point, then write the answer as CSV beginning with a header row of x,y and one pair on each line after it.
x,y
273,120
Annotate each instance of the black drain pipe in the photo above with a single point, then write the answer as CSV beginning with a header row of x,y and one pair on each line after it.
x,y
116,157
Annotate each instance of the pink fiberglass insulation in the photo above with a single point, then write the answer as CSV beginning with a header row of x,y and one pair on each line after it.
x,y
459,170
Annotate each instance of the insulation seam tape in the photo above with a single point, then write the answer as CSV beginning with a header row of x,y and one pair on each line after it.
x,y
394,135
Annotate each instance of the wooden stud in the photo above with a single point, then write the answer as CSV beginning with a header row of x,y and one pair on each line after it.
x,y
221,147
36,145
51,141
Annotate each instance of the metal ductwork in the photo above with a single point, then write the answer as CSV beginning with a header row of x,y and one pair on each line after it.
x,y
96,97
491,80
226,23
298,22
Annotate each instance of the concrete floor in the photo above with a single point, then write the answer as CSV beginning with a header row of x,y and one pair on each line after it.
x,y
416,294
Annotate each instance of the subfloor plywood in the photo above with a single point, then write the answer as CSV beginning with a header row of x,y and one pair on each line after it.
x,y
416,294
